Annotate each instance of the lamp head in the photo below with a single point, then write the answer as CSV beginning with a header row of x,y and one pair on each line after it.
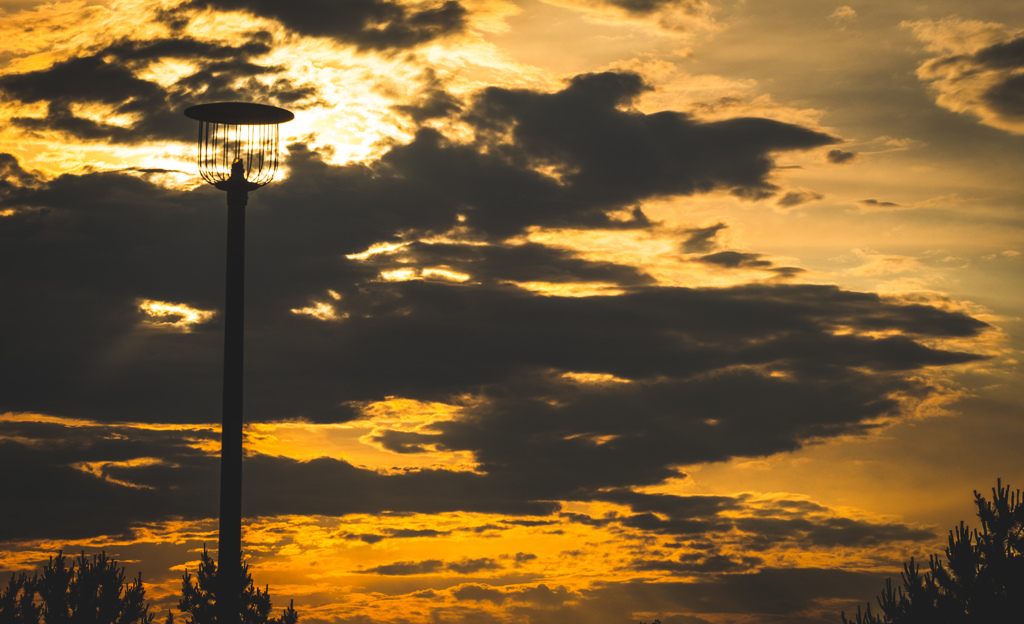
x,y
238,141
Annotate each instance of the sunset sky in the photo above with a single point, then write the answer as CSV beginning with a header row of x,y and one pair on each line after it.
x,y
558,311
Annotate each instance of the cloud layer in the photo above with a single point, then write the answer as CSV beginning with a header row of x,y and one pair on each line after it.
x,y
499,338
977,69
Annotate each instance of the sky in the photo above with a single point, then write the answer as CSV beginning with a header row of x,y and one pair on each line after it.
x,y
575,311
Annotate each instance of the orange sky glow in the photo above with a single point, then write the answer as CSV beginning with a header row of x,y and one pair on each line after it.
x,y
576,311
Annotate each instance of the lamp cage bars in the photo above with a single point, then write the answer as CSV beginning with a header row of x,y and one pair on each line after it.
x,y
238,132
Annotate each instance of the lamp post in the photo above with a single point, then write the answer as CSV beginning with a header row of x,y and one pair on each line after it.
x,y
238,153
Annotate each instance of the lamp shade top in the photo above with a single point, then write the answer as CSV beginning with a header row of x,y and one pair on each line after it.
x,y
239,113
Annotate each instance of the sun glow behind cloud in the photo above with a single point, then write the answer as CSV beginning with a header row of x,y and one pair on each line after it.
x,y
351,120
177,316
320,310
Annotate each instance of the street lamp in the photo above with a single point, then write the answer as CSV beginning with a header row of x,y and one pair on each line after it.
x,y
238,153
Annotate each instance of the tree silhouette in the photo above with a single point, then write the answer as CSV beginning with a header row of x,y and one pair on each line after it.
x,y
199,600
92,592
982,581
17,605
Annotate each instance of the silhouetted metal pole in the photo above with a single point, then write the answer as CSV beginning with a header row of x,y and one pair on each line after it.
x,y
238,144
229,542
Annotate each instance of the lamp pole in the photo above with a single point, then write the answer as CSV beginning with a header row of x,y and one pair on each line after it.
x,y
246,136
229,537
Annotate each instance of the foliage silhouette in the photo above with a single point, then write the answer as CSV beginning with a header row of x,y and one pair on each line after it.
x,y
982,581
91,592
198,600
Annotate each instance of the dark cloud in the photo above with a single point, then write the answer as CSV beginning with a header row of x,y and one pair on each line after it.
x,y
689,564
610,160
106,241
87,79
108,471
987,83
744,260
558,333
796,198
404,568
1004,55
13,178
108,77
1007,97
374,538
479,593
692,355
787,272
289,487
187,48
588,442
368,24
367,538
549,437
641,6
839,157
735,260
415,533
491,339
766,525
496,264
826,533
770,591
430,185
702,240
541,595
183,487
401,441
528,523
647,7
422,186
610,155
689,527
432,103
53,476
671,505
874,203
790,596
703,374
434,566
470,566
107,468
